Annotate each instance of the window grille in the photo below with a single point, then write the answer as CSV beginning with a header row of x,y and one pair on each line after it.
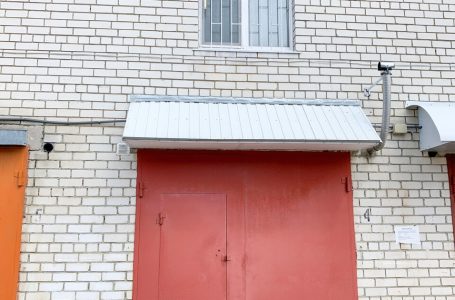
x,y
221,19
269,23
265,23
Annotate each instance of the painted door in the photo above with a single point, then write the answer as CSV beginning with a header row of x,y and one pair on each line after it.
x,y
192,246
451,171
13,167
288,225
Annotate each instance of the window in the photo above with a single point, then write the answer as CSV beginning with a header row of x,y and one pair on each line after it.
x,y
246,23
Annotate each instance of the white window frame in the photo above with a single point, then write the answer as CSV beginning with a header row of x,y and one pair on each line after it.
x,y
244,32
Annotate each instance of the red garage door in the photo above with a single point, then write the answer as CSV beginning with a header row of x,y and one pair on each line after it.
x,y
451,169
244,225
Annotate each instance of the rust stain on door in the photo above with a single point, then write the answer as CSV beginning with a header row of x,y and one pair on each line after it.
x,y
13,180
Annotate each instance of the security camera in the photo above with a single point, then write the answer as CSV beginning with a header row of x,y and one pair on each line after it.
x,y
385,66
48,147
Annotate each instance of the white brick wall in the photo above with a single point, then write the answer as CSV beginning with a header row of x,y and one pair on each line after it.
x,y
78,230
73,60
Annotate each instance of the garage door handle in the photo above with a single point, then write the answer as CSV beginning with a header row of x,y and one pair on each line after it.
x,y
227,258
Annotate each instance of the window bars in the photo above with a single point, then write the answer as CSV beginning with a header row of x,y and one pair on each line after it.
x,y
268,23
221,22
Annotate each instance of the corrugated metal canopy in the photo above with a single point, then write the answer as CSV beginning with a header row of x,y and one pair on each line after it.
x,y
438,125
247,124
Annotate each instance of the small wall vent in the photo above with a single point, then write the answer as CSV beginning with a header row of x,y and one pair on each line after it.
x,y
123,149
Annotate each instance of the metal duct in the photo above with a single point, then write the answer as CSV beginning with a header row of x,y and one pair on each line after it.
x,y
387,95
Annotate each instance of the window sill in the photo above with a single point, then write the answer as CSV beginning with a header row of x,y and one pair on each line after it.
x,y
246,52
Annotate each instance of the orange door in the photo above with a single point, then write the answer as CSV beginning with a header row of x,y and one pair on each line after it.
x,y
13,167
451,169
288,226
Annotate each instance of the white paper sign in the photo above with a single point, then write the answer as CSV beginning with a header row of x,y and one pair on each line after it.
x,y
407,234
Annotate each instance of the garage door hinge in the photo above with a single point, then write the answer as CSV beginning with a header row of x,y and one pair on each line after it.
x,y
140,189
20,178
347,181
160,219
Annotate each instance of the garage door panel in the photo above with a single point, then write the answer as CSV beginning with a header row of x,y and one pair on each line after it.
x,y
297,217
318,233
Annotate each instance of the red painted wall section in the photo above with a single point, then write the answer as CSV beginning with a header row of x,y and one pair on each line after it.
x,y
287,226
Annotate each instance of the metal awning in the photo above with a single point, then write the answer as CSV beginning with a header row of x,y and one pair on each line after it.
x,y
247,124
438,125
10,137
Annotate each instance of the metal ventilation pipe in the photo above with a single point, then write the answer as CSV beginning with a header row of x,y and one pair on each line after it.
x,y
386,74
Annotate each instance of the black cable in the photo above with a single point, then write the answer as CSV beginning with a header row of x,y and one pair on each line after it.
x,y
31,120
67,55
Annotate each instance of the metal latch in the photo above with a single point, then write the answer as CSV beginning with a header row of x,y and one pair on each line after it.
x,y
347,181
160,219
140,189
20,178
